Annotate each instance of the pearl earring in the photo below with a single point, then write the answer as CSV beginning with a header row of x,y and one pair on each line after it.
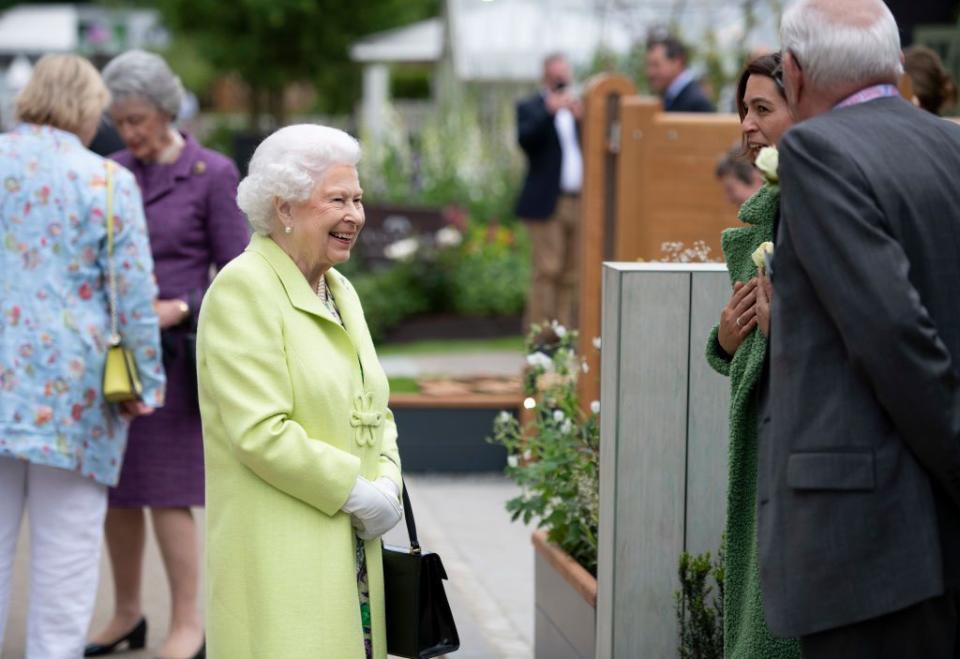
x,y
288,230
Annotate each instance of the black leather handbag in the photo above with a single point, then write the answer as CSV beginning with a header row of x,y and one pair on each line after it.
x,y
419,621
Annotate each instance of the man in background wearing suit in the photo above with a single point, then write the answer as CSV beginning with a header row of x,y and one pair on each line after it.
x,y
671,79
549,203
859,481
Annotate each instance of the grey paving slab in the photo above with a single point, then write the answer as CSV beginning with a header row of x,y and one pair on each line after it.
x,y
497,363
489,562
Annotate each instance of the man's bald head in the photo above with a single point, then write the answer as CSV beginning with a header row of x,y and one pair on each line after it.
x,y
842,44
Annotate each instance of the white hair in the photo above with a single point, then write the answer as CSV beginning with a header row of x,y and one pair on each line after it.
x,y
287,165
139,74
835,53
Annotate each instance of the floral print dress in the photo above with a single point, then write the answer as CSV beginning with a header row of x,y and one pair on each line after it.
x,y
54,319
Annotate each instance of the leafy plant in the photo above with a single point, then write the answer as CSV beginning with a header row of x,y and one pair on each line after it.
x,y
699,608
491,274
555,458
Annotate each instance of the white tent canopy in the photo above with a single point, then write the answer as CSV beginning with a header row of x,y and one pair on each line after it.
x,y
38,29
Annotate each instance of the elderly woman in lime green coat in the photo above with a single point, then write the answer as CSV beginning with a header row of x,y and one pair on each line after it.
x,y
302,466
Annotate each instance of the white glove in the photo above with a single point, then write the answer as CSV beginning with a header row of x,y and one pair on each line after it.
x,y
374,507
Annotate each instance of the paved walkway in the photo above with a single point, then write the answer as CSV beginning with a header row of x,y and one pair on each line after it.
x,y
504,363
489,562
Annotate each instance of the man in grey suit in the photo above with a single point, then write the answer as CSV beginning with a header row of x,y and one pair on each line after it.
x,y
859,483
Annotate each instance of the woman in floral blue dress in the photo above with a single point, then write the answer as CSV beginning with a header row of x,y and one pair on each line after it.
x,y
61,444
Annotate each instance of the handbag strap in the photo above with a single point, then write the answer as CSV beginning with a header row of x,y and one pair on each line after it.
x,y
411,523
111,274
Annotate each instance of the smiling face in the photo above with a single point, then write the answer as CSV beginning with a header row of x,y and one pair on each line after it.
x,y
144,128
326,226
767,117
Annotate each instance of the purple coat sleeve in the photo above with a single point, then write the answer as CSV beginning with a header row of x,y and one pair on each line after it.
x,y
227,228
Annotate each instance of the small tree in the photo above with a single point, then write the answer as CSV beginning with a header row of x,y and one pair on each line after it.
x,y
271,44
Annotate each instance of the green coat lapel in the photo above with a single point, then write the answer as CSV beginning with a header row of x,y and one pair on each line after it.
x,y
294,283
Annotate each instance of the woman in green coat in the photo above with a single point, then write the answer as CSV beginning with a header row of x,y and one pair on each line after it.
x,y
737,347
302,467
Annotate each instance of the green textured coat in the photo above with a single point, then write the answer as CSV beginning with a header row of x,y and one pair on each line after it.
x,y
745,633
294,408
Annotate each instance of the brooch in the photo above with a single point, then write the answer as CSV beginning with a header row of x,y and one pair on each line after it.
x,y
363,419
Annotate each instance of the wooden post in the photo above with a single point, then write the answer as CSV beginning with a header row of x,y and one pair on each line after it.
x,y
601,145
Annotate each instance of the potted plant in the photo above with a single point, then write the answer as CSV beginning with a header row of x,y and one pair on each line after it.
x,y
554,457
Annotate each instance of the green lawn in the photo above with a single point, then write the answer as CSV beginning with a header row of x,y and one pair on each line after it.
x,y
452,346
404,386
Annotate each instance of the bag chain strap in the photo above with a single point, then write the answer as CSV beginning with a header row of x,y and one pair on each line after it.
x,y
111,274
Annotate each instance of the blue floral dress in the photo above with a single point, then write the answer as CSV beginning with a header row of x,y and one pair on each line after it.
x,y
54,319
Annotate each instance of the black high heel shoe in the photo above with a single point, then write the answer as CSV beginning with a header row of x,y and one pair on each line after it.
x,y
135,639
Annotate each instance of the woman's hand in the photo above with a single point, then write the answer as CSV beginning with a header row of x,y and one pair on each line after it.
x,y
764,300
374,507
131,409
739,317
171,312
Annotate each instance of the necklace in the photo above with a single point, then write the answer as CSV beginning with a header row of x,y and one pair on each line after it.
x,y
324,294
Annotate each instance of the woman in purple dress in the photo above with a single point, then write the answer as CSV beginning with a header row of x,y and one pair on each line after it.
x,y
189,194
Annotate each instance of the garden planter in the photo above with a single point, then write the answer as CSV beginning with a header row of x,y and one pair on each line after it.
x,y
566,604
449,434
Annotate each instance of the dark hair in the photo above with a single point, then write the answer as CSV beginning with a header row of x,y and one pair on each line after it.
x,y
769,66
733,163
932,84
672,46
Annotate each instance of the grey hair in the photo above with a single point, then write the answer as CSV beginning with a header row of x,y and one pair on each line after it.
x,y
139,74
287,165
833,53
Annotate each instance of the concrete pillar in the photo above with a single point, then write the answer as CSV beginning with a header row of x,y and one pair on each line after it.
x,y
376,96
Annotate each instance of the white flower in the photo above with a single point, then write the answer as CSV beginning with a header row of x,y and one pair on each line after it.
x,y
448,237
527,455
758,260
540,360
529,403
566,427
559,330
559,416
596,342
768,162
595,407
504,417
402,250
585,366
512,460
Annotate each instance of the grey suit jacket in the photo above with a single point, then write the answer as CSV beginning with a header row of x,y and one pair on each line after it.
x,y
859,483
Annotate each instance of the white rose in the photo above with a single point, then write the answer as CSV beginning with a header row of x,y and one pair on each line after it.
x,y
448,237
402,250
596,342
559,416
768,162
559,330
595,407
758,260
566,427
527,455
504,417
585,366
540,360
512,460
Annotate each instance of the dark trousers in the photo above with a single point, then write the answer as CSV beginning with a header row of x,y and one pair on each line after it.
x,y
930,629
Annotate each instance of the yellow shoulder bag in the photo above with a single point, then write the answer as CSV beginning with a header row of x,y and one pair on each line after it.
x,y
121,381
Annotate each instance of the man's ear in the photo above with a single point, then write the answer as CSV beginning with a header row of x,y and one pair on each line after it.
x,y
793,80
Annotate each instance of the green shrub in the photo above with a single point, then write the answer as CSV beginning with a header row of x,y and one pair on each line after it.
x,y
699,608
555,459
491,275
